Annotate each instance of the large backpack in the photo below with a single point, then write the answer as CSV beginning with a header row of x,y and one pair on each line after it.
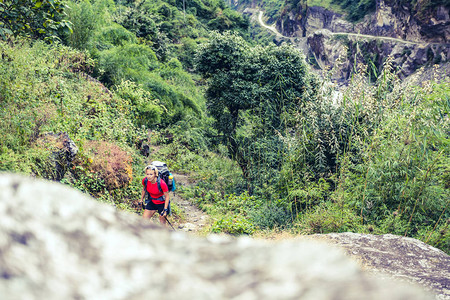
x,y
164,174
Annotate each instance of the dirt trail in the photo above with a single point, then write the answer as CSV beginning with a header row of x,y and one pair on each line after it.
x,y
189,217
193,219
271,28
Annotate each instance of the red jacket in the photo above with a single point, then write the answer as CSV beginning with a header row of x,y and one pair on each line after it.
x,y
153,191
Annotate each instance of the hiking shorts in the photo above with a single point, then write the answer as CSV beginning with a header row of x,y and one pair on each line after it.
x,y
159,207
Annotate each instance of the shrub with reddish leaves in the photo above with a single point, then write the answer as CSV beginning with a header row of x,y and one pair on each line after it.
x,y
110,163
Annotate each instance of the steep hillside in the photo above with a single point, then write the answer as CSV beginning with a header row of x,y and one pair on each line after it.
x,y
413,35
253,127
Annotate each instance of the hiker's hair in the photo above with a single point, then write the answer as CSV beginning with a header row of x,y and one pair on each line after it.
x,y
150,167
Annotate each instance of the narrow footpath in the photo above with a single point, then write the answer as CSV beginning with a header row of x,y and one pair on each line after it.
x,y
191,218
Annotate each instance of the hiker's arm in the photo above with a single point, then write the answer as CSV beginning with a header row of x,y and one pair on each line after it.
x,y
166,203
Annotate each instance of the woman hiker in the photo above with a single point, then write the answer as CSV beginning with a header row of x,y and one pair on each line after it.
x,y
158,196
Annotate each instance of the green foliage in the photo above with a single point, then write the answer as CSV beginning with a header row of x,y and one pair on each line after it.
x,y
130,42
37,161
403,170
185,51
271,216
356,9
232,211
86,181
251,94
328,4
43,92
36,19
163,24
86,19
227,19
328,217
145,109
303,193
233,204
109,37
236,225
127,62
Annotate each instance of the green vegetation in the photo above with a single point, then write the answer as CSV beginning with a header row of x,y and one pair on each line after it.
x,y
36,19
270,147
376,162
252,94
328,4
44,90
356,9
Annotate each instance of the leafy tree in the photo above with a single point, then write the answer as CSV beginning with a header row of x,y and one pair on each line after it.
x,y
38,19
252,93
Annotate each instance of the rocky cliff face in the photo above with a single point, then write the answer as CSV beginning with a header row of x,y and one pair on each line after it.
x,y
57,243
405,21
311,19
412,36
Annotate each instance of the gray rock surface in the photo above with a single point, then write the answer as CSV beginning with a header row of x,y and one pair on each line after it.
x,y
57,243
412,39
398,20
399,257
62,156
407,57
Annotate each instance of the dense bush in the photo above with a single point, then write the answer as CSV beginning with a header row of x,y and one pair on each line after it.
x,y
328,217
111,163
403,171
271,216
236,225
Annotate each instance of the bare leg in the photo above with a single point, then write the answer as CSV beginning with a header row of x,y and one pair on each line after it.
x,y
162,220
148,214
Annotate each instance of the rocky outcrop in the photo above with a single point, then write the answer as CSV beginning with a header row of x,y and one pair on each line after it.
x,y
405,21
327,47
310,20
63,152
399,257
391,19
414,36
61,244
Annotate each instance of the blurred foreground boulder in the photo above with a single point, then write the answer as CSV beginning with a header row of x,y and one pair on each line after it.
x,y
57,243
